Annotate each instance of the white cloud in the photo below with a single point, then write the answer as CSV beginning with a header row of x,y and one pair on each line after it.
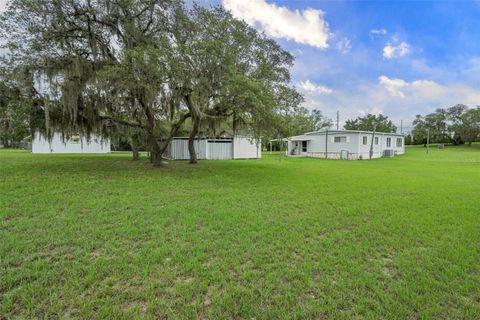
x,y
311,87
344,45
396,98
3,5
307,26
404,99
378,32
390,51
421,88
471,72
393,86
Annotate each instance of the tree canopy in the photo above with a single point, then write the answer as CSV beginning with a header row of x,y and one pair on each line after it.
x,y
14,115
371,122
457,125
144,69
303,120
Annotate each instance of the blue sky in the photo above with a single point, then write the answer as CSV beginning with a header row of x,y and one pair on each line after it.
x,y
395,58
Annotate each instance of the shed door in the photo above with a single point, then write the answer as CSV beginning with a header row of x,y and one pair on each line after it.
x,y
219,149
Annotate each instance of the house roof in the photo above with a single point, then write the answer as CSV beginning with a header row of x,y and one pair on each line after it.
x,y
307,136
323,131
300,138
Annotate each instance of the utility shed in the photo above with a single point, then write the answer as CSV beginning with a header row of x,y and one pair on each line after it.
x,y
346,144
73,144
237,147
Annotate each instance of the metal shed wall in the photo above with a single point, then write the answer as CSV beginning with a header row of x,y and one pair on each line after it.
x,y
219,149
215,149
179,149
57,145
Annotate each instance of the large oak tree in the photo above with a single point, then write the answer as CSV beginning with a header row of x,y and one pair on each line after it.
x,y
143,68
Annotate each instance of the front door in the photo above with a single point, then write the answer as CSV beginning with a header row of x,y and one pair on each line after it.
x,y
304,146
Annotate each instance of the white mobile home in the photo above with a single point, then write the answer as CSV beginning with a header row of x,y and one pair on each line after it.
x,y
346,144
73,144
237,147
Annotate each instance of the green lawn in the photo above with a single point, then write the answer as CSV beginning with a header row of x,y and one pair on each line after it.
x,y
104,237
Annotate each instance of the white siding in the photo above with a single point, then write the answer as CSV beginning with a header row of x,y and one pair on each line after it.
x,y
398,150
364,150
57,145
245,148
316,146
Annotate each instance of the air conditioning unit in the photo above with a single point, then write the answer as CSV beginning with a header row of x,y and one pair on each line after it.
x,y
388,153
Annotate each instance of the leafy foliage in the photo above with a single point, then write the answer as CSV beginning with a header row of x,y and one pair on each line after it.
x,y
371,122
456,125
14,115
142,69
467,125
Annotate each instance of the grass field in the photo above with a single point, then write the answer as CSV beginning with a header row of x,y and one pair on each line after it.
x,y
105,237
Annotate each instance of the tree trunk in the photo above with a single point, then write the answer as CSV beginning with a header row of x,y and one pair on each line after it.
x,y
195,127
155,155
173,131
154,147
370,153
134,147
135,154
191,140
5,143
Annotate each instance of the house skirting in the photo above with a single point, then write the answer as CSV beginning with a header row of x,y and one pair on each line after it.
x,y
339,155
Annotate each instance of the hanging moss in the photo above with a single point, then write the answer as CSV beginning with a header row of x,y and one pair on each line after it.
x,y
47,115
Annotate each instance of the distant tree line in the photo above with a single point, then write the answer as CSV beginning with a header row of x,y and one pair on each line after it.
x,y
455,125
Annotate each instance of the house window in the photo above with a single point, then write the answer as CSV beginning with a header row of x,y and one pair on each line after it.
x,y
376,141
74,138
399,142
365,140
389,142
342,139
304,146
